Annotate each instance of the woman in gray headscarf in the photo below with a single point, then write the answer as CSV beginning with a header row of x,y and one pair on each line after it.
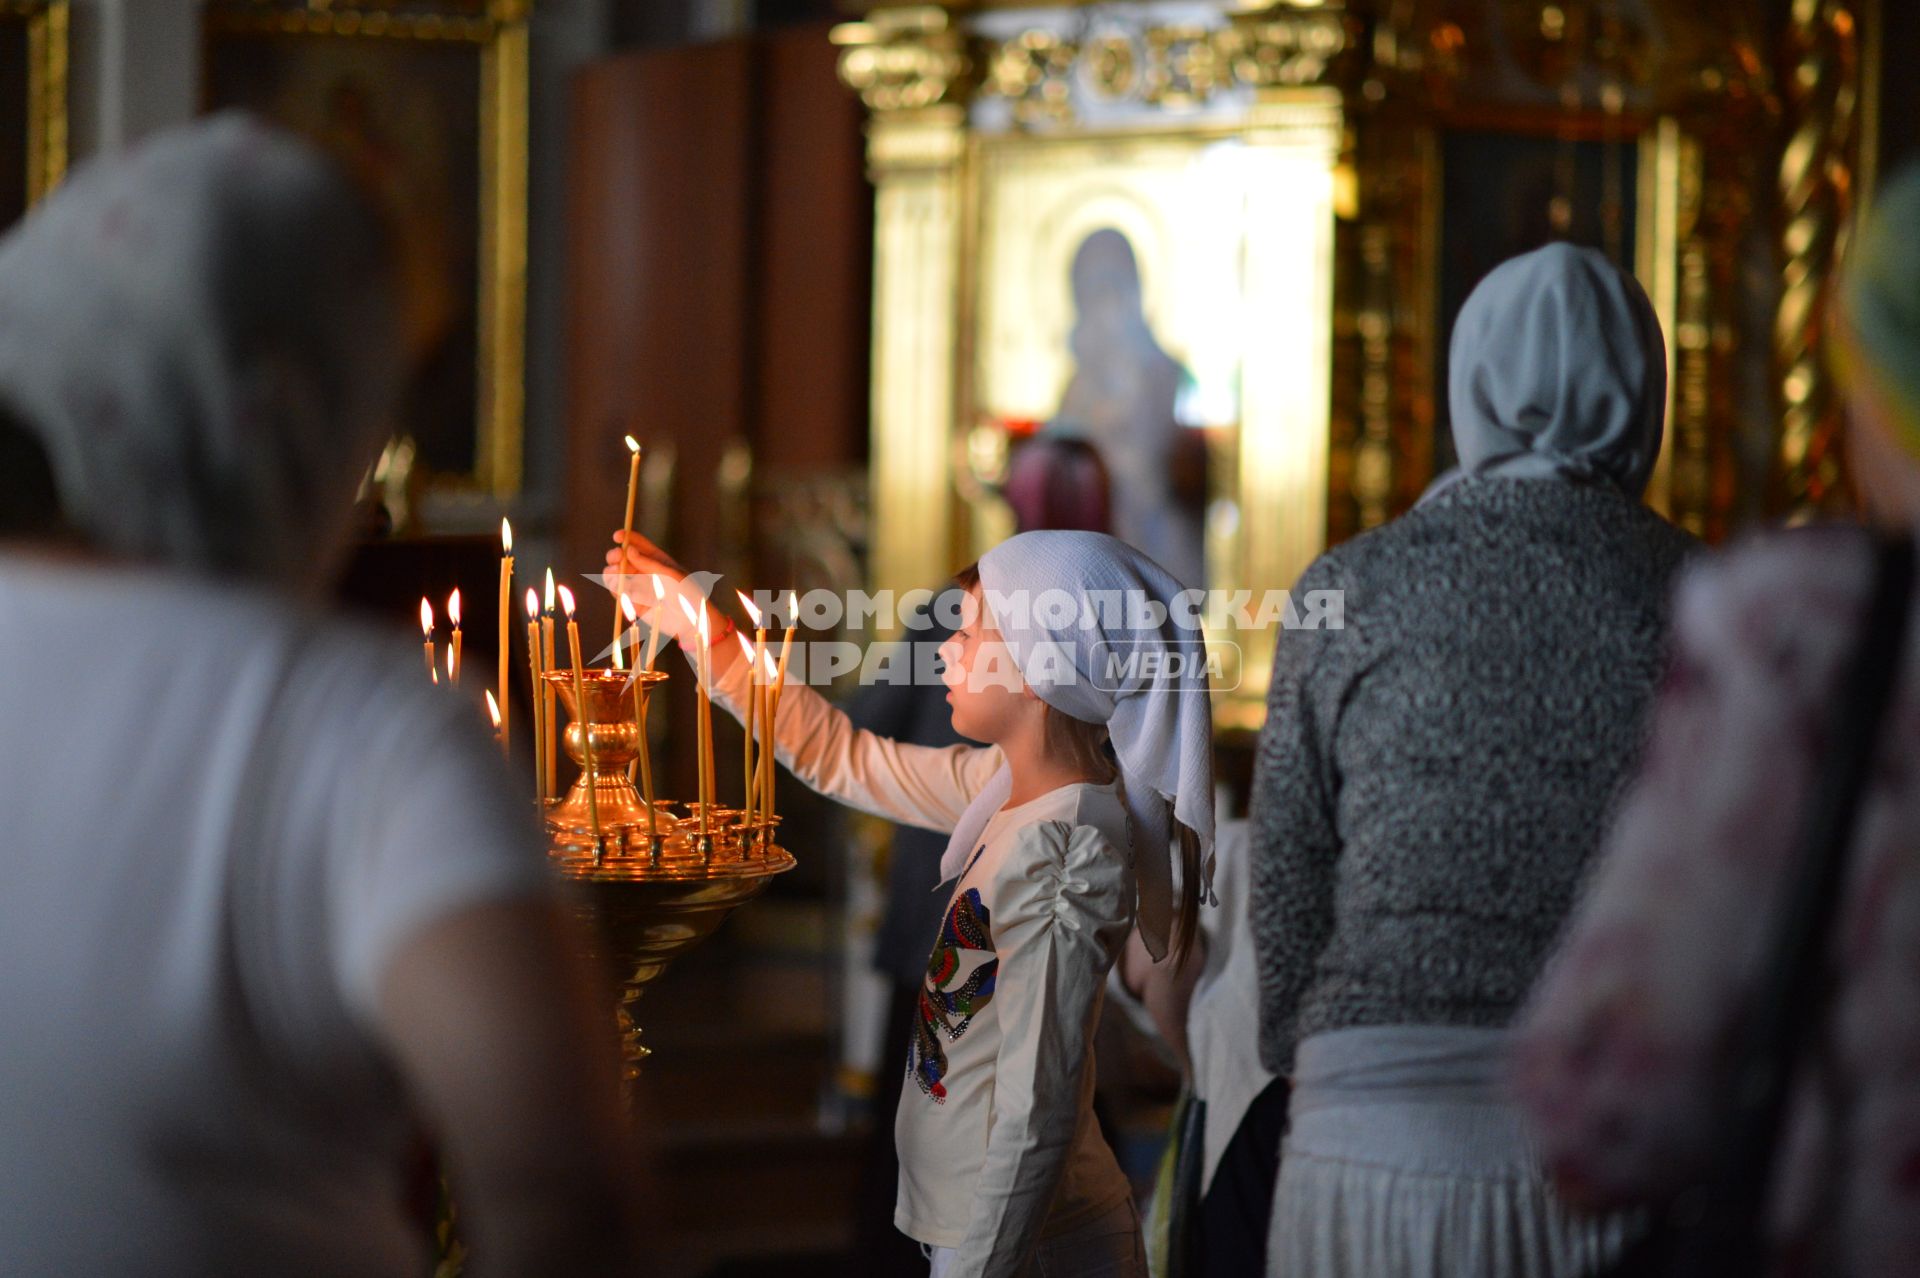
x,y
273,905
1434,776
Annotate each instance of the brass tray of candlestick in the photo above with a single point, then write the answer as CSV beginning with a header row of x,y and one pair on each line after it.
x,y
653,885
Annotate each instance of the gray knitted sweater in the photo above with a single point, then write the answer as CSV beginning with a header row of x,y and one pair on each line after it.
x,y
1433,777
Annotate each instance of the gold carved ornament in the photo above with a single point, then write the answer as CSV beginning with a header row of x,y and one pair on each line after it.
x,y
1819,180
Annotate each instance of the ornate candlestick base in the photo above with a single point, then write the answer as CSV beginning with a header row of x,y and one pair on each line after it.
x,y
648,895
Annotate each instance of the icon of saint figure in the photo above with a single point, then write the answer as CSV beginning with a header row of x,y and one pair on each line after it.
x,y
1122,399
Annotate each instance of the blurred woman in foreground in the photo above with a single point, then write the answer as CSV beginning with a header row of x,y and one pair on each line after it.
x,y
273,904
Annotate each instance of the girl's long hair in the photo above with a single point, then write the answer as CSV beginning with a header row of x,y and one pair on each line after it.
x,y
1086,746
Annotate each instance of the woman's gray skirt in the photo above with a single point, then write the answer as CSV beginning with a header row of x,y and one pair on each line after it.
x,y
1403,1160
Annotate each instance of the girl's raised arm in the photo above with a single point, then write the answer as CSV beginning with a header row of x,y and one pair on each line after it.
x,y
925,786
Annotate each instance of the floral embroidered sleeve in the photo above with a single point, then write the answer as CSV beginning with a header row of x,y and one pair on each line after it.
x,y
1622,1046
1065,904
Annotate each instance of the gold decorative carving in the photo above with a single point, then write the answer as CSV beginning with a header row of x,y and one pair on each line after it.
x,y
1182,65
1818,188
1268,51
904,59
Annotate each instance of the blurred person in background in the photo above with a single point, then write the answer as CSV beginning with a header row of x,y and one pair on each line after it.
x,y
1435,775
274,904
1628,1044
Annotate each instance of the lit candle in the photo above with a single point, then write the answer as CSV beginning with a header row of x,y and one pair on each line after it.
x,y
746,740
426,629
765,694
653,627
453,653
546,692
620,632
780,680
506,608
753,682
633,489
493,712
701,723
645,756
581,718
537,685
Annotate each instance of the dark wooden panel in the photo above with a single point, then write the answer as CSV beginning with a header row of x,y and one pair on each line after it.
x,y
659,293
814,211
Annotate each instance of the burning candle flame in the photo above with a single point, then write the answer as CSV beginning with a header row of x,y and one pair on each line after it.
x,y
793,607
659,586
493,709
633,446
533,603
566,602
748,605
766,659
449,663
745,647
453,607
506,537
549,590
626,606
426,617
688,609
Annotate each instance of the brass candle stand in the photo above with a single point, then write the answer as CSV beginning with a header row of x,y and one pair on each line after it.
x,y
651,891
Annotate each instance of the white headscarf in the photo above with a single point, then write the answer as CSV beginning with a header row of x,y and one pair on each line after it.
x,y
1072,599
1557,368
202,336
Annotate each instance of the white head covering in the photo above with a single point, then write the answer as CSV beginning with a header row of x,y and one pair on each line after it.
x,y
1557,368
1064,601
201,334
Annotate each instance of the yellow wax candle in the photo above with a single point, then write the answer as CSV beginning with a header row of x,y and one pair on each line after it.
x,y
426,629
746,738
643,758
546,693
620,632
700,721
536,685
765,695
453,653
633,489
581,718
653,627
753,700
780,677
706,715
506,609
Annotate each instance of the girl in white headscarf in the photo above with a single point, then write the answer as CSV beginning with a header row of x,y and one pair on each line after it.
x,y
1090,691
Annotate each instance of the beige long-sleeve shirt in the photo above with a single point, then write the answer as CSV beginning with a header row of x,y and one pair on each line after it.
x,y
997,1140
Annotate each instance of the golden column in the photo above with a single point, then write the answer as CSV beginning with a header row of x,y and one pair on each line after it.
x,y
911,68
